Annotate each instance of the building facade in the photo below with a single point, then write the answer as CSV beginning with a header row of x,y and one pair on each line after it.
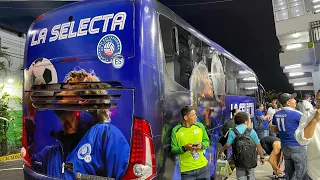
x,y
297,25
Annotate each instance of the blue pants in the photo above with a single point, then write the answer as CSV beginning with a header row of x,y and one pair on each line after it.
x,y
198,174
295,162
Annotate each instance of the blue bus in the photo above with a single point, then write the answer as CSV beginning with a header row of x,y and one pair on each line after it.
x,y
104,82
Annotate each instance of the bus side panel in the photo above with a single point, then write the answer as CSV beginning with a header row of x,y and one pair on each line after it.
x,y
243,103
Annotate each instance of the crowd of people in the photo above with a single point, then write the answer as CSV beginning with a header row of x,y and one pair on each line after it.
x,y
286,132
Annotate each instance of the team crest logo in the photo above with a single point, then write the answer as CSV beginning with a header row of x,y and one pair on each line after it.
x,y
84,153
108,46
117,61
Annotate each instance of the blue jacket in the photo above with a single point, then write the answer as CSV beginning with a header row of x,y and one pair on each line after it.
x,y
102,151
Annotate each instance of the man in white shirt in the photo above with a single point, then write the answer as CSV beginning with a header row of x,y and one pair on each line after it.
x,y
306,105
308,133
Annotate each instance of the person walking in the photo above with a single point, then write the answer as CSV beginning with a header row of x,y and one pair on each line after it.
x,y
245,143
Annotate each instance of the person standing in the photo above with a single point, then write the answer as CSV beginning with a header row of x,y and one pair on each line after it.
x,y
308,133
189,139
271,111
286,122
259,112
306,104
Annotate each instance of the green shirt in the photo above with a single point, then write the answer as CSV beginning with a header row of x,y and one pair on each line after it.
x,y
181,136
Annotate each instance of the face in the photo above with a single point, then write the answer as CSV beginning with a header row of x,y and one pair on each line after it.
x,y
68,119
274,101
261,107
292,103
317,100
191,117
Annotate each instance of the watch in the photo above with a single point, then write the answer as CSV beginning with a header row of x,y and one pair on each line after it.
x,y
261,157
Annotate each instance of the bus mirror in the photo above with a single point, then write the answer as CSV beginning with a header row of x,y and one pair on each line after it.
x,y
176,40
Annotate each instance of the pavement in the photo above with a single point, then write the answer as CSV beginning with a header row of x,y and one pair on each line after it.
x,y
11,170
262,172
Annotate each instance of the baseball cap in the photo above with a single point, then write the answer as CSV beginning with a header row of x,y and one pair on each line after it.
x,y
284,97
307,95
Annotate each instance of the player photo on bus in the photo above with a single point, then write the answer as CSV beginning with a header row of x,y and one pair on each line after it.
x,y
87,144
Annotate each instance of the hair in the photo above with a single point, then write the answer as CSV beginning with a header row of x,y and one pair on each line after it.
x,y
241,118
186,110
258,105
318,91
81,75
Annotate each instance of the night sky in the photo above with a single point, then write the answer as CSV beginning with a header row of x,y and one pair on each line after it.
x,y
243,27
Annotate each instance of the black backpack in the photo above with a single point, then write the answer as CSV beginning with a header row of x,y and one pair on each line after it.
x,y
258,124
244,151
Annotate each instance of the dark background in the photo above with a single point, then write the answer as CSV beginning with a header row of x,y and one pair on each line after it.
x,y
243,27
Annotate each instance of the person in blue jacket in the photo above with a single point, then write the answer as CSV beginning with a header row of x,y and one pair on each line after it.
x,y
88,144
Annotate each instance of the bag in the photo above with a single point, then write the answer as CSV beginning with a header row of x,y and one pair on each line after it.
x,y
258,124
244,151
223,168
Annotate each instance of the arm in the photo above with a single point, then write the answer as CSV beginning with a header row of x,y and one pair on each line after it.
x,y
306,128
256,140
225,147
265,117
260,151
175,148
273,157
272,127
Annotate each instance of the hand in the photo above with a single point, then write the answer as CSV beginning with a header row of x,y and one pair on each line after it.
x,y
198,147
279,172
317,115
188,147
261,161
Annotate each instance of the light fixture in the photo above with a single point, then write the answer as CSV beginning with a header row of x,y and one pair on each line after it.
x,y
249,79
316,11
292,66
296,35
296,74
315,1
244,72
10,81
300,84
294,46
316,6
251,88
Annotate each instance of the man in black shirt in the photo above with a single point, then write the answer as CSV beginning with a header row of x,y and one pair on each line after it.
x,y
272,146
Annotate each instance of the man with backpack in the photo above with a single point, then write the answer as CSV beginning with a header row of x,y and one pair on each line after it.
x,y
244,143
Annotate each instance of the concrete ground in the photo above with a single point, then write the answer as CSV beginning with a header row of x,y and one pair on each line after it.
x,y
11,170
262,172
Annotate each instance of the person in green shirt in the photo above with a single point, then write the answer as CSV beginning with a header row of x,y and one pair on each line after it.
x,y
189,139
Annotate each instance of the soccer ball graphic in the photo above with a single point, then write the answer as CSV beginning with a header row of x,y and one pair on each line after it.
x,y
42,71
109,48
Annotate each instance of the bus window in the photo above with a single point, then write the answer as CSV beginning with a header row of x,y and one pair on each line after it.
x,y
178,64
240,81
